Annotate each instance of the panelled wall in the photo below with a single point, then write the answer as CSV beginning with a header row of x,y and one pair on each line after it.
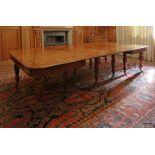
x,y
10,40
13,38
27,37
17,37
1,50
82,34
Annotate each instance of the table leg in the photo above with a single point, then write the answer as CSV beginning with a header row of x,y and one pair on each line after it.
x,y
141,61
99,60
74,72
96,69
105,58
124,62
90,63
65,76
113,61
38,88
17,78
66,82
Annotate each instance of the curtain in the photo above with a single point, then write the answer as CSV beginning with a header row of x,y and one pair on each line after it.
x,y
141,35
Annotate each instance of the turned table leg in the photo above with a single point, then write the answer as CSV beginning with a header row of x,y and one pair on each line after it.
x,y
96,69
99,60
113,61
65,84
141,61
124,62
38,88
65,77
91,63
74,72
16,69
105,58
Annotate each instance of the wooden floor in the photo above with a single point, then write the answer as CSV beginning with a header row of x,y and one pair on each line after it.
x,y
5,68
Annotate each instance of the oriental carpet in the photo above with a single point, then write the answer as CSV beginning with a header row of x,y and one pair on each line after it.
x,y
130,100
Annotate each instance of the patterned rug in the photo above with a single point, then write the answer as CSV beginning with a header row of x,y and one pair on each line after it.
x,y
130,101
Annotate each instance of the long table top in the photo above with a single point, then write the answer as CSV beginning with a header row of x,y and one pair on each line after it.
x,y
37,58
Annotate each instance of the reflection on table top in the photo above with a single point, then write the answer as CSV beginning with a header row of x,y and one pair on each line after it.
x,y
58,55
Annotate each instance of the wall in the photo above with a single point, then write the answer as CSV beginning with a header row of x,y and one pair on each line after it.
x,y
20,37
141,35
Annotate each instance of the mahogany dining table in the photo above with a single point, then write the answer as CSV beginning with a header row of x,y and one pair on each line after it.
x,y
41,62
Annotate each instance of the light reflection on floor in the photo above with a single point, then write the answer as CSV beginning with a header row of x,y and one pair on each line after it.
x,y
150,76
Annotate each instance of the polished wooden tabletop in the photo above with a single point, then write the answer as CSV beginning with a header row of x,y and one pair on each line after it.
x,y
36,58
